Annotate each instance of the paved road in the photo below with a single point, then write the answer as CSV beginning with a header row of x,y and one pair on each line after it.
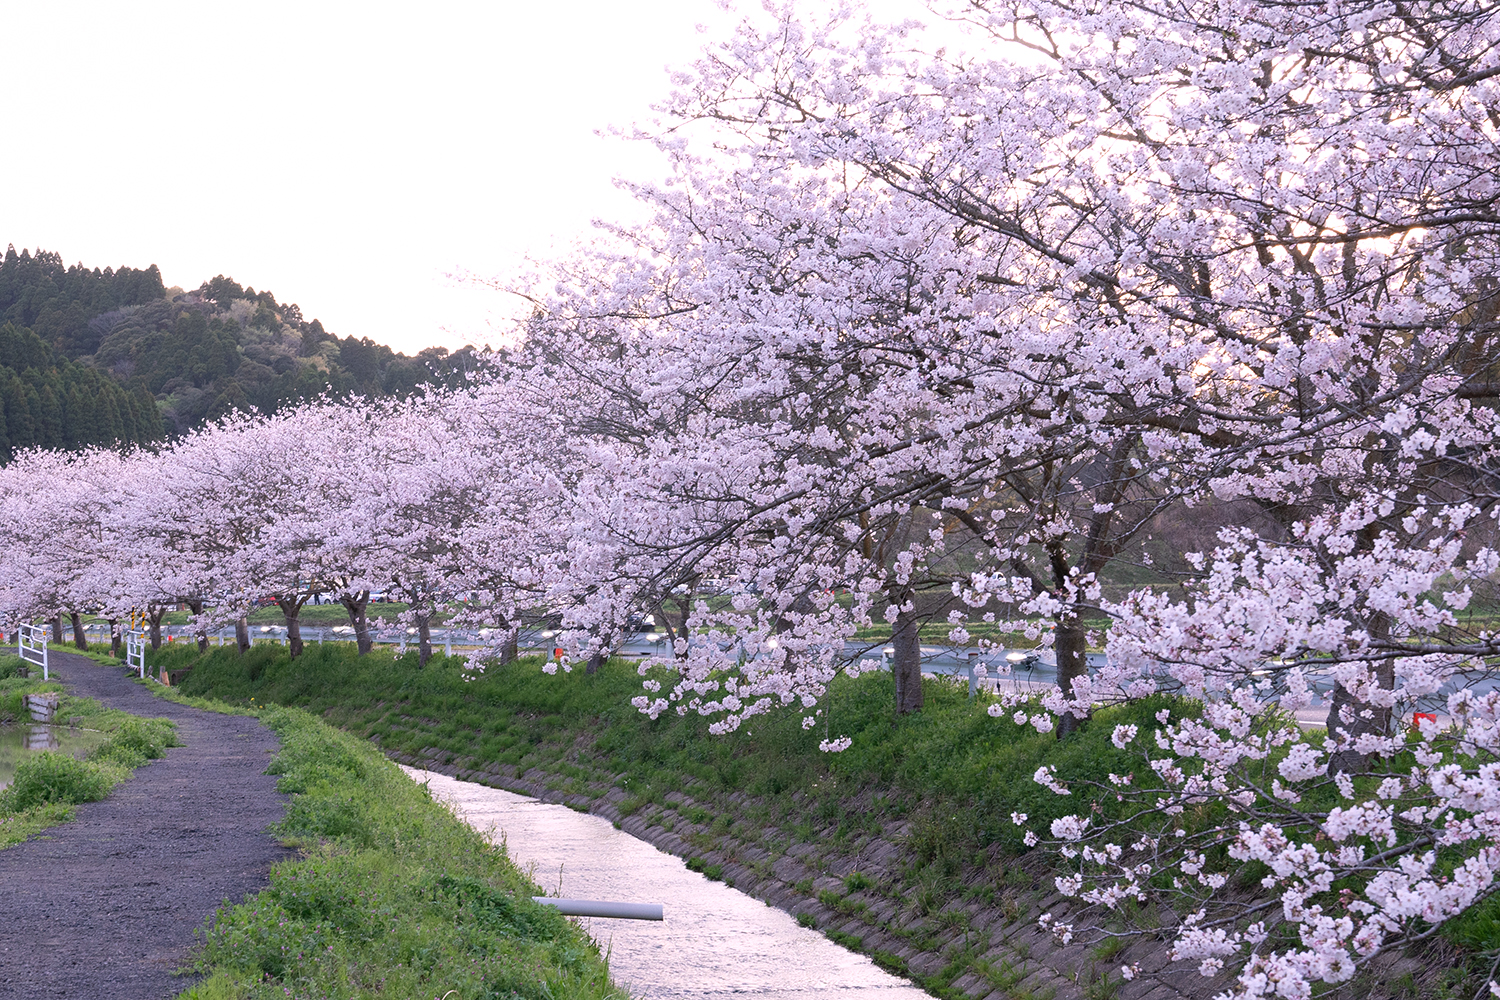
x,y
104,908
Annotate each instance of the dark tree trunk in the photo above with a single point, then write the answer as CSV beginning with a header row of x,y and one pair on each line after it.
x,y
906,667
1071,646
510,645
114,637
153,620
596,660
424,637
57,635
291,610
196,607
678,628
242,635
356,605
79,639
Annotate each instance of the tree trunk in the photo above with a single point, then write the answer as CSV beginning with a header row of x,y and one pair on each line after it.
x,y
906,639
424,637
114,637
510,645
196,607
79,639
291,610
596,660
57,636
154,618
356,605
242,635
678,629
1071,646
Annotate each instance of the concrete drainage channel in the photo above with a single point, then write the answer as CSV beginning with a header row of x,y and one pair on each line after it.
x,y
713,940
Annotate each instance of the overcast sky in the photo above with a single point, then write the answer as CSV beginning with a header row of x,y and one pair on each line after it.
x,y
344,156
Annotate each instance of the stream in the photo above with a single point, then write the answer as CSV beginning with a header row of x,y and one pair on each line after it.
x,y
714,940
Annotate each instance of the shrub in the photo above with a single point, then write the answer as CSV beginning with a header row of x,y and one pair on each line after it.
x,y
13,666
137,741
49,778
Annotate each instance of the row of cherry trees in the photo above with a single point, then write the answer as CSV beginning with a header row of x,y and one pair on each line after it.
x,y
907,324
428,501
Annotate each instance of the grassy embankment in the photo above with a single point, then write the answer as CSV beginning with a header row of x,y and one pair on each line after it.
x,y
902,846
392,896
941,785
48,783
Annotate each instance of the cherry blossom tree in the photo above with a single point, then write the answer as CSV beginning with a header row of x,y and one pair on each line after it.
x,y
1116,259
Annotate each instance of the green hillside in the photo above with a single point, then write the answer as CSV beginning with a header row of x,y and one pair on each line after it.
x,y
90,356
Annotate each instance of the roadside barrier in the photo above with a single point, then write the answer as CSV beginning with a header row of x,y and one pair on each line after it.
x,y
32,646
135,652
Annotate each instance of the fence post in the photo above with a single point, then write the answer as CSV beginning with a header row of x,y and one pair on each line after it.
x,y
31,646
135,652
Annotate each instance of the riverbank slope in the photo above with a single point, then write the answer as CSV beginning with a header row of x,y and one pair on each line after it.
x,y
901,847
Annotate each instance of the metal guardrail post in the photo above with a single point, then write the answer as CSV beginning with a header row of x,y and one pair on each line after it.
x,y
602,908
135,652
31,646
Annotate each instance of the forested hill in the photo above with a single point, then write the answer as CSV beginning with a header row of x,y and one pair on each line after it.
x,y
90,356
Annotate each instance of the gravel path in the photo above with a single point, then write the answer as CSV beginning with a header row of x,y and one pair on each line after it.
x,y
104,907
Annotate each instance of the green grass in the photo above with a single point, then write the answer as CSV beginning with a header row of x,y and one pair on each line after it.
x,y
951,775
393,897
48,784
957,771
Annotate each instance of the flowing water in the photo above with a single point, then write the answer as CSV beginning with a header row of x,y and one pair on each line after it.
x,y
714,941
18,741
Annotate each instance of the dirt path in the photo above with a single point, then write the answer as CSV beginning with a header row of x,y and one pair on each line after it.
x,y
104,908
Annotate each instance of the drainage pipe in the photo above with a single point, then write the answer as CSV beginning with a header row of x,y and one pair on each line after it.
x,y
602,908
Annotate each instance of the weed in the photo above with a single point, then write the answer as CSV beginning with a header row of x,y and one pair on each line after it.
x,y
1097,985
1003,976
840,904
891,962
807,920
849,941
857,882
953,920
710,871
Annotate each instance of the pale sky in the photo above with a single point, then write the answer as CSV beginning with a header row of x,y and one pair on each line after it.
x,y
344,156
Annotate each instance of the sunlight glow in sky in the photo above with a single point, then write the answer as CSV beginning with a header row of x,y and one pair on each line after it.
x,y
347,157
344,156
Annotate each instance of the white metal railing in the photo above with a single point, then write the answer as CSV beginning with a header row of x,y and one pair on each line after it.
x,y
32,646
135,652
